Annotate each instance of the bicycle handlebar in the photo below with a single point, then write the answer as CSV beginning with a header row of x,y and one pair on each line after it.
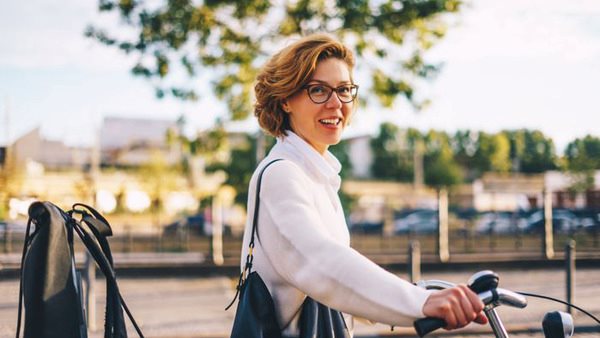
x,y
491,299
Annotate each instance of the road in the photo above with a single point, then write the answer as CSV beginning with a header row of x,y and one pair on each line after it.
x,y
194,306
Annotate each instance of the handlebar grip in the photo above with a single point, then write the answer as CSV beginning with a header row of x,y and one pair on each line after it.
x,y
425,325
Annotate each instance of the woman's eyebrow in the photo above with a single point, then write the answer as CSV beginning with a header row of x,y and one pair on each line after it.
x,y
327,83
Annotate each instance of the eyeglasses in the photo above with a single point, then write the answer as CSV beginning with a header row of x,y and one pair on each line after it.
x,y
320,93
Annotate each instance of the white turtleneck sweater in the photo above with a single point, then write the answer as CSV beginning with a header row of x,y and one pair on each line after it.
x,y
304,246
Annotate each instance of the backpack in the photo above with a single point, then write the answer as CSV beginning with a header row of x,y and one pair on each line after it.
x,y
50,288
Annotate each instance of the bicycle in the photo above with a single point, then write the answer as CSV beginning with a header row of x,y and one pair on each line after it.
x,y
555,324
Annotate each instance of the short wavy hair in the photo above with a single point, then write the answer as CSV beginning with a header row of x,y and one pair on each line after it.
x,y
288,71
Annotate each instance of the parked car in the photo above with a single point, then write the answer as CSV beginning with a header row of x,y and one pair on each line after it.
x,y
502,222
193,223
589,220
421,221
563,221
366,227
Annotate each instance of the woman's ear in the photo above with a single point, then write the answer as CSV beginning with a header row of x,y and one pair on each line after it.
x,y
285,106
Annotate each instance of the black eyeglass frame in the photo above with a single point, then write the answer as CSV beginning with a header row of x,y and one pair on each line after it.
x,y
333,89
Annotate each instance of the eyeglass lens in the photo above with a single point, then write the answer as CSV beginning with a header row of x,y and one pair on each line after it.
x,y
320,93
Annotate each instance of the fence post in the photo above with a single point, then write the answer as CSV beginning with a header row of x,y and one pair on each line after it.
x,y
217,231
414,261
90,294
442,240
388,218
7,239
548,233
129,239
570,266
159,240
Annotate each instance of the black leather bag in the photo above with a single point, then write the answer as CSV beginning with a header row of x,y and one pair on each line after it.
x,y
255,315
319,321
51,287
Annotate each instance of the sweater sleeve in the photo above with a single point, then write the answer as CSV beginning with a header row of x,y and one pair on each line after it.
x,y
292,237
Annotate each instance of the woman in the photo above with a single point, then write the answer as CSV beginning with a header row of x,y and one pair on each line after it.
x,y
305,97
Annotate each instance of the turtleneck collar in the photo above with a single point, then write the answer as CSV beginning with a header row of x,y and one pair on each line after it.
x,y
325,167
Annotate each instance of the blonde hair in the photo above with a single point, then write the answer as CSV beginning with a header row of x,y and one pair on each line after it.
x,y
286,72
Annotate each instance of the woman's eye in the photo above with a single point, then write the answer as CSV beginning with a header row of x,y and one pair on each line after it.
x,y
317,90
344,89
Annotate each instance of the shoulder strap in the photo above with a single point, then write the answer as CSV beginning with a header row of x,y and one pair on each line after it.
x,y
114,325
25,247
250,256
256,207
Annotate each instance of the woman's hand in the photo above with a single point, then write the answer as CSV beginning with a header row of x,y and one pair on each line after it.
x,y
458,306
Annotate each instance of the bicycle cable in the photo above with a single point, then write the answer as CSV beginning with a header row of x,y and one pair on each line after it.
x,y
559,301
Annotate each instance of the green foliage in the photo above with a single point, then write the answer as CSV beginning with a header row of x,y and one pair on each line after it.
x,y
393,151
493,153
464,145
441,170
582,158
466,155
209,142
394,156
531,151
240,165
342,153
479,152
233,38
583,154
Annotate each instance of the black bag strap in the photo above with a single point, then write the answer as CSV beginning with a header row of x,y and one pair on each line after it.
x,y
114,325
97,245
25,247
250,255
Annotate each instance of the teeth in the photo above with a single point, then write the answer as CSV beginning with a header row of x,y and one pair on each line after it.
x,y
330,121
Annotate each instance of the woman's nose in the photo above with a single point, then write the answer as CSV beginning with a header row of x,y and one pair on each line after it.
x,y
334,101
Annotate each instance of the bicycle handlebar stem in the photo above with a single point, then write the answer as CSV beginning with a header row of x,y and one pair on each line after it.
x,y
495,322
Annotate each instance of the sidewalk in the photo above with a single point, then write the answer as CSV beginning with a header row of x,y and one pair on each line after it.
x,y
194,306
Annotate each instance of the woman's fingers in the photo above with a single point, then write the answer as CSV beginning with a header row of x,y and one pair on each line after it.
x,y
481,318
458,307
466,308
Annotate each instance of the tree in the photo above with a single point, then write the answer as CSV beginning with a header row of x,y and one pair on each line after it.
x,y
231,39
240,165
582,157
441,170
493,153
393,153
464,145
479,152
12,176
531,151
583,154
342,153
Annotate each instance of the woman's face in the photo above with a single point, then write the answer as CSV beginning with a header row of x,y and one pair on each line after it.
x,y
321,124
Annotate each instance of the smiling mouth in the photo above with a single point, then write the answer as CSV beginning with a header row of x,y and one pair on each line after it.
x,y
331,122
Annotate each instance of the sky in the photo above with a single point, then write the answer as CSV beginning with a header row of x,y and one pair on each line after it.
x,y
507,64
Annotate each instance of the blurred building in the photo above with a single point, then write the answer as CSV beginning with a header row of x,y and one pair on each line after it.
x,y
361,156
32,147
133,141
50,170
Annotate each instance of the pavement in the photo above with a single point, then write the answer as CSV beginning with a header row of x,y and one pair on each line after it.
x,y
193,306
